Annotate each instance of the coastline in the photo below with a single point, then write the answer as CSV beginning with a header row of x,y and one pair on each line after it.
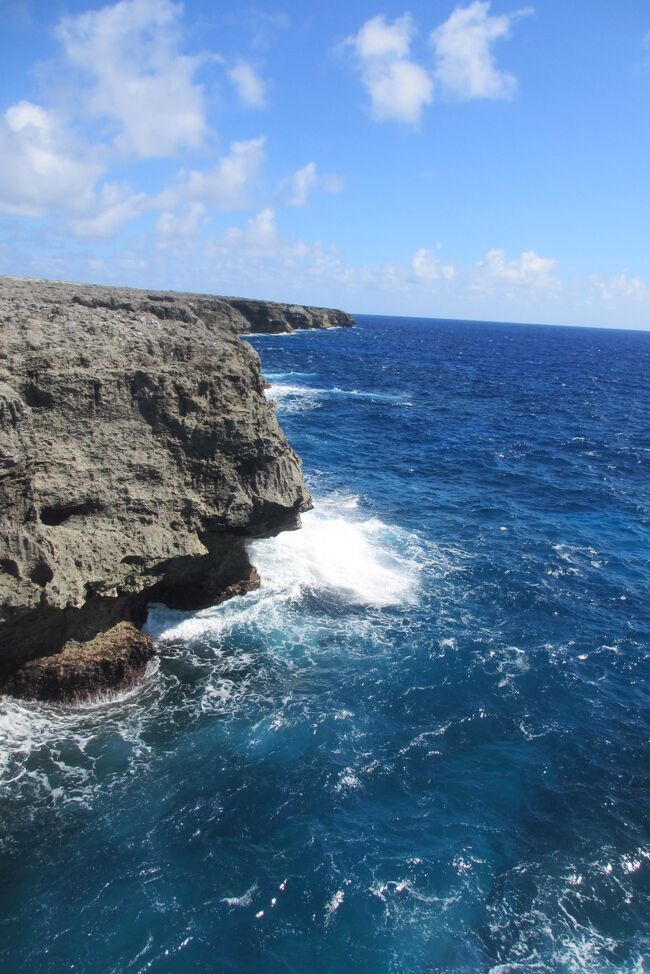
x,y
139,454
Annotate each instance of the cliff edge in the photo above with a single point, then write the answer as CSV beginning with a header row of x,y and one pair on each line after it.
x,y
137,454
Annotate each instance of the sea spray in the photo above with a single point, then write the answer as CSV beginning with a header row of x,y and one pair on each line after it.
x,y
337,553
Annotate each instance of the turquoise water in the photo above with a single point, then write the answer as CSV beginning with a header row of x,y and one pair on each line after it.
x,y
423,745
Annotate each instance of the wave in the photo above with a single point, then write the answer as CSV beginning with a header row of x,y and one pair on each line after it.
x,y
337,554
312,395
294,331
323,587
60,754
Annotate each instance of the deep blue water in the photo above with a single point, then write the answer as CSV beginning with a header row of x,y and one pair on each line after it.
x,y
423,746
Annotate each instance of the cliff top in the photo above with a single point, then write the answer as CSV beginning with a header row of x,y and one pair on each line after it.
x,y
33,302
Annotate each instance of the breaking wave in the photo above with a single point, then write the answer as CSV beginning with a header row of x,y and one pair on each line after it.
x,y
338,554
292,397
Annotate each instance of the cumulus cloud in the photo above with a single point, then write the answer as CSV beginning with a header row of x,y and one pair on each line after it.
x,y
612,289
465,67
427,267
137,93
301,183
41,167
138,79
248,85
465,63
399,88
529,270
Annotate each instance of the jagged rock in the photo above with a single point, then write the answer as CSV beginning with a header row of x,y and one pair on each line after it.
x,y
267,316
137,454
114,660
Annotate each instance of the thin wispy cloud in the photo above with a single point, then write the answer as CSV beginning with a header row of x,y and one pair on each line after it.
x,y
248,84
296,190
612,289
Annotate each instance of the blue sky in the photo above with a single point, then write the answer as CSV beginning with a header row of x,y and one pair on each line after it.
x,y
469,159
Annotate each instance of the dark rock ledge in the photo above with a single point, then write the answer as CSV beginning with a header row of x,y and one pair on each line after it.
x,y
137,456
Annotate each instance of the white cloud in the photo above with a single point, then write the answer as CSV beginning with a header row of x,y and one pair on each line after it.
x,y
261,231
399,88
465,65
180,229
377,39
139,80
620,286
226,186
295,190
260,239
41,167
301,183
108,211
136,92
248,84
527,271
427,267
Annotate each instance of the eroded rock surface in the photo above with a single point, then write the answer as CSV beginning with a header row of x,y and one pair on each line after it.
x,y
112,661
137,454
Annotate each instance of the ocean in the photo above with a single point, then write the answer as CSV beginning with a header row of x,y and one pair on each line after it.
x,y
422,747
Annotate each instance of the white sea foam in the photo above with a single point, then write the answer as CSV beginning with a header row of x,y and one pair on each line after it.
x,y
340,554
51,752
333,905
244,900
366,561
288,394
336,552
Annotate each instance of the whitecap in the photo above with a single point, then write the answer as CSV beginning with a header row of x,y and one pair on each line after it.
x,y
244,900
286,393
333,905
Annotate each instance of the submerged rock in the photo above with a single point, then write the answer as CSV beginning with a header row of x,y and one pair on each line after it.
x,y
137,455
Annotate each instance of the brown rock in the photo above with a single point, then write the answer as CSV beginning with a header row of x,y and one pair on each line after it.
x,y
112,661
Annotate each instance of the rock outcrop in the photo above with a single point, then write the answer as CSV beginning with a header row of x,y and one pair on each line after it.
x,y
137,455
114,660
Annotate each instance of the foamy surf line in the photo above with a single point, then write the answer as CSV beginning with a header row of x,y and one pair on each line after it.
x,y
281,390
294,331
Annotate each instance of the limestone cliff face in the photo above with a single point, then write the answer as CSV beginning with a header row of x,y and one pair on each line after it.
x,y
137,452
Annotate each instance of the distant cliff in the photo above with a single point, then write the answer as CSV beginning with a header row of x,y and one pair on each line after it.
x,y
239,315
137,453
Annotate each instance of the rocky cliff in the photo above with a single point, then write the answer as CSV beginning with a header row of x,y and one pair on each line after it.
x,y
137,454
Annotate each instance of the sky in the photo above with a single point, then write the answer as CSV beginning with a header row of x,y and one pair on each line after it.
x,y
485,160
